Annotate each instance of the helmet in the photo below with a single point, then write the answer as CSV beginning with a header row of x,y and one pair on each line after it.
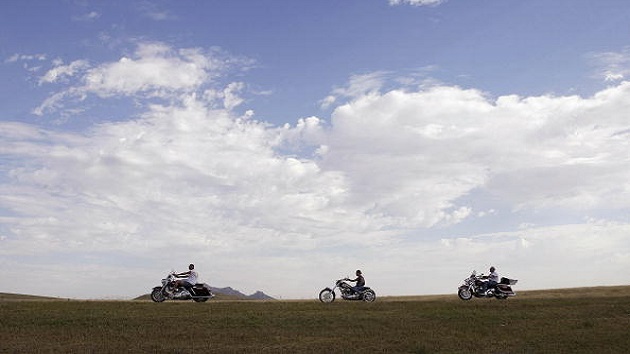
x,y
191,266
358,272
492,269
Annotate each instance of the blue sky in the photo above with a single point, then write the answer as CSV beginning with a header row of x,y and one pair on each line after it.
x,y
282,144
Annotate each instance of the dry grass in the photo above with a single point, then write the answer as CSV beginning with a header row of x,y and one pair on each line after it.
x,y
594,320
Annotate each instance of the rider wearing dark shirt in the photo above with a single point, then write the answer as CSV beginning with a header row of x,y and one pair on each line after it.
x,y
359,280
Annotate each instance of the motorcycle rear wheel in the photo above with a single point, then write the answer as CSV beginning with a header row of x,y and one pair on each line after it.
x,y
326,296
157,295
369,296
464,294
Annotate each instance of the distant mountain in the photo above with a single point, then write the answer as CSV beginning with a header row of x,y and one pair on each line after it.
x,y
228,291
259,295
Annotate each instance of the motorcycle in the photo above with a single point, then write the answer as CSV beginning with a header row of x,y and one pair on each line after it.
x,y
198,293
476,285
347,292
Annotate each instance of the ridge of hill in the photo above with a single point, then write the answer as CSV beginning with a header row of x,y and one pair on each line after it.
x,y
22,297
227,293
258,295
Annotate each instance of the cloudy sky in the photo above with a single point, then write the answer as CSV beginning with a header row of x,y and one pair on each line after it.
x,y
280,145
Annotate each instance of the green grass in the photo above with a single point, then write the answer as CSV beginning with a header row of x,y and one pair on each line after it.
x,y
567,321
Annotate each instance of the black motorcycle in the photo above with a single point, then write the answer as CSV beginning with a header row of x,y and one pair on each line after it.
x,y
347,292
477,286
198,293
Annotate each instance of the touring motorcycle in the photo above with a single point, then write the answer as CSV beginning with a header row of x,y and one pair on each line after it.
x,y
476,285
347,292
199,292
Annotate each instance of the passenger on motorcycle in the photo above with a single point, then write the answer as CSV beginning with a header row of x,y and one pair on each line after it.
x,y
359,280
190,278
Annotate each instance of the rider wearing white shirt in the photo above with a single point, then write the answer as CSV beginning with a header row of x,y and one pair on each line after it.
x,y
493,278
190,277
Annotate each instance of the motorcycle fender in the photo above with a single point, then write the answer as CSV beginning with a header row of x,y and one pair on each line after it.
x,y
329,289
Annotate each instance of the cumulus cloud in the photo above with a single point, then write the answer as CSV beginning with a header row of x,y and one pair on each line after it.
x,y
154,70
440,144
386,173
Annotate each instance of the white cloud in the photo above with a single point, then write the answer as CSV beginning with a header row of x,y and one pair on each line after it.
x,y
25,57
154,70
60,70
357,86
416,2
527,150
383,180
611,66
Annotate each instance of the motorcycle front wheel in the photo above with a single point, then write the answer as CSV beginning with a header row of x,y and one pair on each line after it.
x,y
464,293
157,295
369,296
326,296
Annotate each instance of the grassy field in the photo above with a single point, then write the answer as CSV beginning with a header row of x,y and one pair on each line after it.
x,y
590,320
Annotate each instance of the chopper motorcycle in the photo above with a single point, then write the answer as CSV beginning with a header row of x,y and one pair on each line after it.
x,y
347,292
198,293
475,286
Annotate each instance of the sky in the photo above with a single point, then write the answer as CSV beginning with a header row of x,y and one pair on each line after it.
x,y
281,145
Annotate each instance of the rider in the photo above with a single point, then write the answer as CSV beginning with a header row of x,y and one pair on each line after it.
x,y
359,280
493,279
190,278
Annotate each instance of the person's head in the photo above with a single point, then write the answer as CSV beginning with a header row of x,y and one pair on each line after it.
x,y
492,269
191,266
358,272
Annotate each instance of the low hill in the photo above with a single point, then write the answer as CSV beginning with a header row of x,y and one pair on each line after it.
x,y
228,291
21,297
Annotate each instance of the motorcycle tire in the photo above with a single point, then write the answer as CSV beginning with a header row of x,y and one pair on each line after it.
x,y
326,296
464,294
369,296
501,296
157,295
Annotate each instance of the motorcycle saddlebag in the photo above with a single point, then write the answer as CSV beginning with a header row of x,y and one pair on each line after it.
x,y
508,281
